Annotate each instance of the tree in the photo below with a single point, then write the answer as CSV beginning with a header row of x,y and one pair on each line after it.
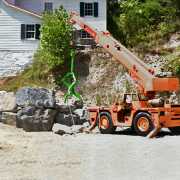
x,y
131,21
56,37
113,13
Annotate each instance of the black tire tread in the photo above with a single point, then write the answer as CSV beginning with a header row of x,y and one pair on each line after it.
x,y
135,120
111,128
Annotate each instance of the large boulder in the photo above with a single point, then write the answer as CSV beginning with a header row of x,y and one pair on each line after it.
x,y
32,119
70,115
9,118
67,109
67,119
7,101
39,97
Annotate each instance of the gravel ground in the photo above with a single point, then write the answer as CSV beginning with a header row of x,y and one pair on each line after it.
x,y
47,156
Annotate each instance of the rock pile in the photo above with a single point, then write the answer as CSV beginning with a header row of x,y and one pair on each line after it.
x,y
155,61
7,101
174,41
65,130
8,108
35,109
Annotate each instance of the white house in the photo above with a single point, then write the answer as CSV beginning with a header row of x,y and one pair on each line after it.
x,y
20,20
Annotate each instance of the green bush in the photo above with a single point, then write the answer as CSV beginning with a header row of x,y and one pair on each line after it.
x,y
56,36
173,62
134,20
174,66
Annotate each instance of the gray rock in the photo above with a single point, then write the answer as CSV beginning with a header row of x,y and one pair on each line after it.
x,y
68,119
35,120
78,104
48,119
7,101
86,124
29,110
62,129
72,103
27,123
65,108
9,118
82,113
78,129
0,116
79,112
39,97
19,120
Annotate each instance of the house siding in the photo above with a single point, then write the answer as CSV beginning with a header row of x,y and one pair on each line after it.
x,y
10,29
70,5
11,20
98,22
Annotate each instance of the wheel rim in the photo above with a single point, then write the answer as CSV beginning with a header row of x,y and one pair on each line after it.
x,y
104,122
143,124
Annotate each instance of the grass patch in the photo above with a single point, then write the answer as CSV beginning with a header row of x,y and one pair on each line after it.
x,y
173,64
14,83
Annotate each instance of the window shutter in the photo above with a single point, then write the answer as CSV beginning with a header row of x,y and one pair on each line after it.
x,y
96,9
23,31
38,31
82,9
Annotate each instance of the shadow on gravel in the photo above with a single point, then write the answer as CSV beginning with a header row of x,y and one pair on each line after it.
x,y
127,131
162,134
130,132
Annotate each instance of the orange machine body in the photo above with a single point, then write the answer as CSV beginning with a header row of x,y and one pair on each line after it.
x,y
123,114
140,114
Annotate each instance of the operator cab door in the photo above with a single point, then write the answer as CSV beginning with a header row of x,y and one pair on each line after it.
x,y
128,101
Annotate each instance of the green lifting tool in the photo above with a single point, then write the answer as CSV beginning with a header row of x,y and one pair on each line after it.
x,y
70,81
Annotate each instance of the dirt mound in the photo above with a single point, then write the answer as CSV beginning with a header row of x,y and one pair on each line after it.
x,y
102,80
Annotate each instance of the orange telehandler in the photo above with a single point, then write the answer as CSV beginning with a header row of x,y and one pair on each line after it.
x,y
141,111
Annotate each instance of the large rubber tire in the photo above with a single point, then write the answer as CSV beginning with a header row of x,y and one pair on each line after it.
x,y
105,123
142,124
175,130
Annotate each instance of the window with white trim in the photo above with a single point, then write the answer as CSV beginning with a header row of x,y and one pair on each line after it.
x,y
88,9
30,31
